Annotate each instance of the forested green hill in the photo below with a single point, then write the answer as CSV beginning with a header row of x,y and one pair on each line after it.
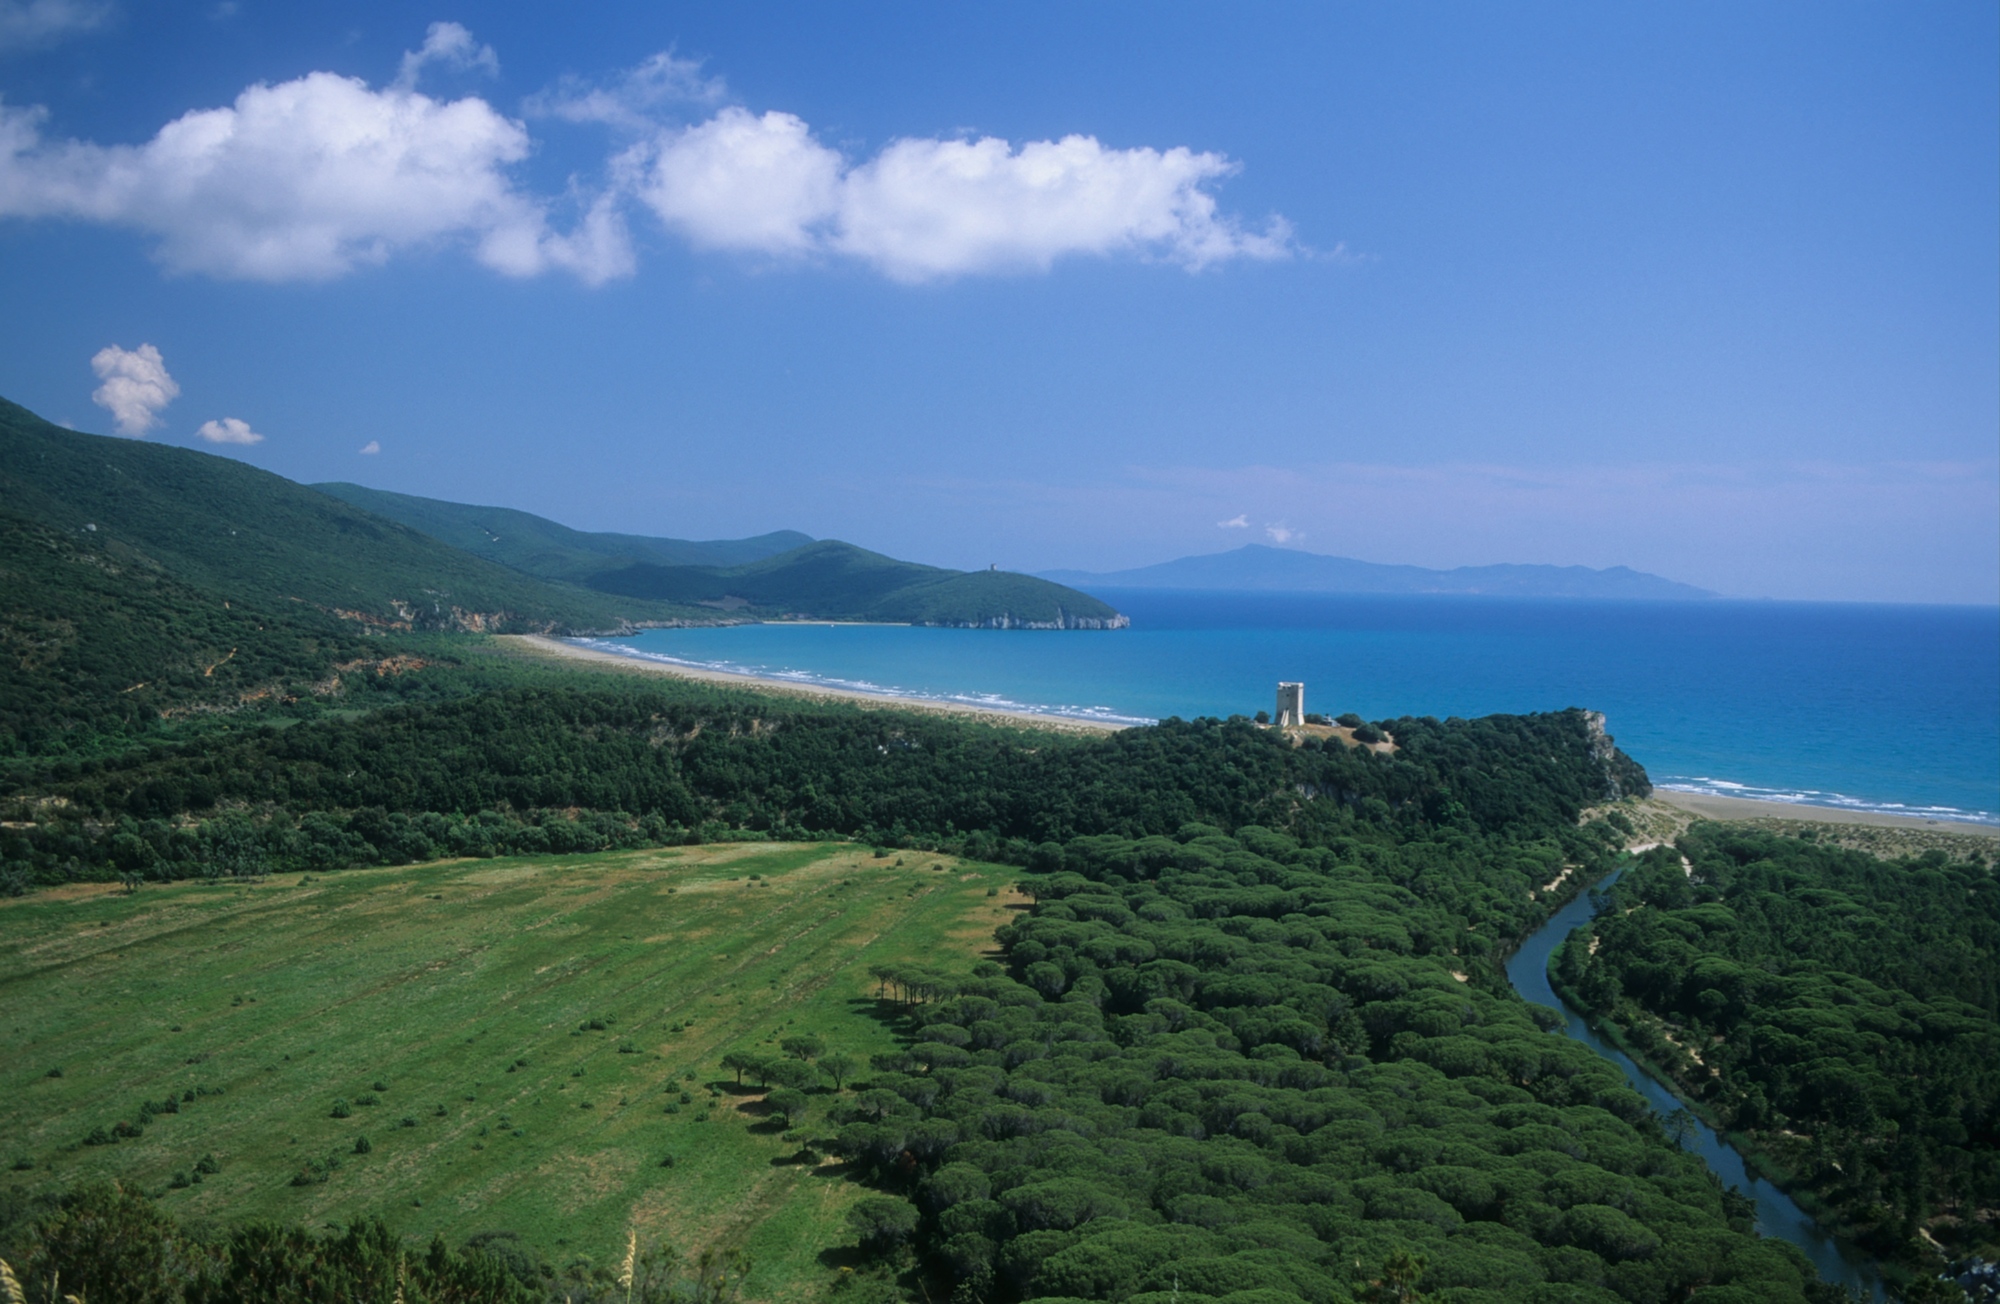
x,y
98,644
781,574
247,535
543,547
832,580
1841,1011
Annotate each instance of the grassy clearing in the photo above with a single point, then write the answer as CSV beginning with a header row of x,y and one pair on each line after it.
x,y
457,996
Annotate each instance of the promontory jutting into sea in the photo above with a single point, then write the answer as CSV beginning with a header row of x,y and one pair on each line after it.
x,y
1793,681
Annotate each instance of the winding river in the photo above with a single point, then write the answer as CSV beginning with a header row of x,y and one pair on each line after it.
x,y
1777,1215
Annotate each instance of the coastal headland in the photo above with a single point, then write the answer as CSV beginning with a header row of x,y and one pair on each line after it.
x,y
537,645
1877,831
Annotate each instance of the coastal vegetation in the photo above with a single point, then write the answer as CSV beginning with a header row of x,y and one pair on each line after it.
x,y
526,758
1840,1013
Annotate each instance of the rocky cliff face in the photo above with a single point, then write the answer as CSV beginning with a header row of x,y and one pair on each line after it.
x,y
1623,776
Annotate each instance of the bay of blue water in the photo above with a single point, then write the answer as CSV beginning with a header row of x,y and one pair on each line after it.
x,y
1870,707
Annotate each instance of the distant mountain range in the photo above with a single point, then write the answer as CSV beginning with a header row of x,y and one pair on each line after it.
x,y
1255,567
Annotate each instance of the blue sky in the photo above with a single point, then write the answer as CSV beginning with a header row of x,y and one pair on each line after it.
x,y
1708,290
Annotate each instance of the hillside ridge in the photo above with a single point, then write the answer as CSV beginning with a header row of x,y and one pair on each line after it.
x,y
250,535
548,548
782,575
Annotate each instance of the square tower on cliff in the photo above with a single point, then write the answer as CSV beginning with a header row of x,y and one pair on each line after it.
x,y
1291,705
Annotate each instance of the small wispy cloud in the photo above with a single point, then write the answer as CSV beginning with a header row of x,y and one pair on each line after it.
x,y
450,44
371,448
1238,522
229,430
136,386
633,100
30,24
1284,534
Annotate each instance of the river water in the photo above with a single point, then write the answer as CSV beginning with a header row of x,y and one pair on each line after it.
x,y
1777,1215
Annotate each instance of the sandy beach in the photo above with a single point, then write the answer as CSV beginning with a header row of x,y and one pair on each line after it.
x,y
538,645
1743,808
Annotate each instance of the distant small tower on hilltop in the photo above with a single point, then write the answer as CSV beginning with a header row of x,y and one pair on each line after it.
x,y
1291,705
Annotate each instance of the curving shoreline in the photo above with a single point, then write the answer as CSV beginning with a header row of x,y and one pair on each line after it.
x,y
1709,806
542,646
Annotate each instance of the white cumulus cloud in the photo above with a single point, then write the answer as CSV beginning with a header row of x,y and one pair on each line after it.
x,y
923,209
229,430
308,179
1234,523
311,178
372,447
30,24
928,208
740,181
1284,534
136,386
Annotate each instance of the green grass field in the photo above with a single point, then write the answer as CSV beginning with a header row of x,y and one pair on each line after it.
x,y
462,989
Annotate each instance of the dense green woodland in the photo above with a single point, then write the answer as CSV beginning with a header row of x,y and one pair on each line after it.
x,y
556,767
1216,1065
247,536
1845,1012
99,646
543,547
785,573
839,581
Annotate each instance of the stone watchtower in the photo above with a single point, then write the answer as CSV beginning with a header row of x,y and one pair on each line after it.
x,y
1291,705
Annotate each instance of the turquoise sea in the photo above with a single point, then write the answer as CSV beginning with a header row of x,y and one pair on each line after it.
x,y
1869,707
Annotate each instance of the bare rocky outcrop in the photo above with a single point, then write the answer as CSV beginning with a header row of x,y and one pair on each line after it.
x,y
1604,750
1065,619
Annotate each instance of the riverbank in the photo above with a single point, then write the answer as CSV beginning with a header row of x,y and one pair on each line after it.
x,y
1532,975
551,649
1757,1160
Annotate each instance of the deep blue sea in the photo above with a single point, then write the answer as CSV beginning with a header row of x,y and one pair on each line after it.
x,y
1870,707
